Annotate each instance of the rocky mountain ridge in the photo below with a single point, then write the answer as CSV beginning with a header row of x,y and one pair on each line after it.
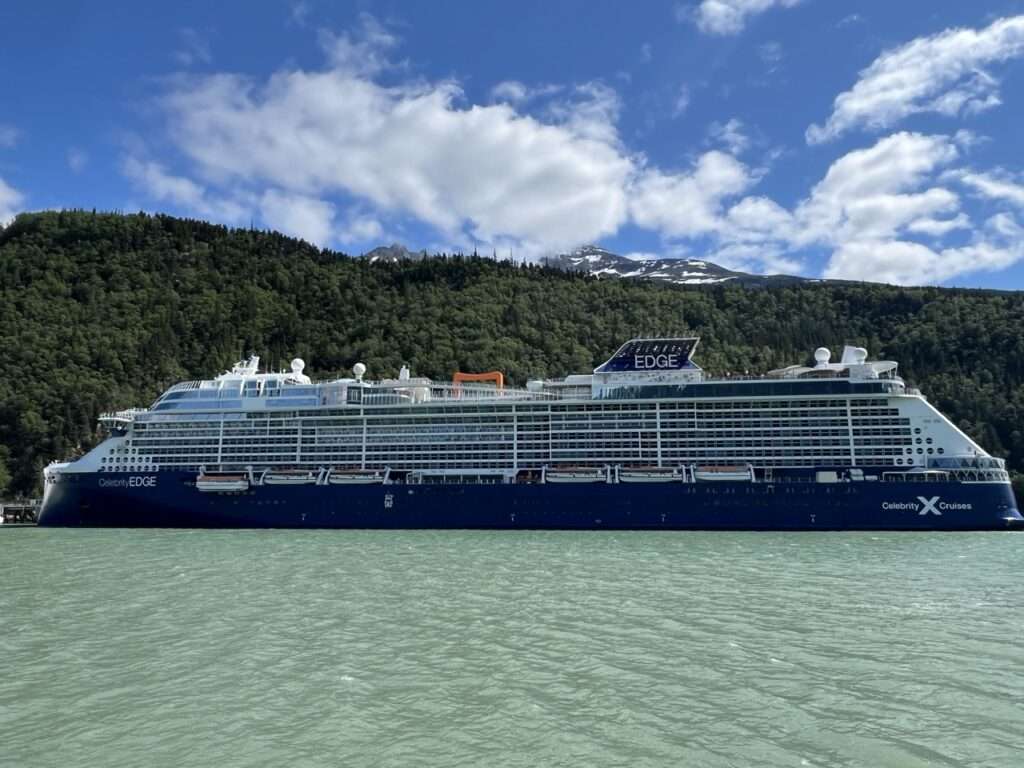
x,y
600,262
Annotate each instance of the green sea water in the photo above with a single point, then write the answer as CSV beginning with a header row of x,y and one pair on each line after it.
x,y
369,648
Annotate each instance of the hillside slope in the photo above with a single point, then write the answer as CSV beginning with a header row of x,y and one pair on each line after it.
x,y
102,311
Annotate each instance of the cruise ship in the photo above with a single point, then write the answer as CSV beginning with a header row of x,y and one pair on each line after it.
x,y
647,441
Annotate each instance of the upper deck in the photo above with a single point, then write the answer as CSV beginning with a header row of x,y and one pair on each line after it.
x,y
642,369
650,404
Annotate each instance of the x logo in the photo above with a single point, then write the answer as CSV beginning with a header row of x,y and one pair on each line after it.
x,y
929,505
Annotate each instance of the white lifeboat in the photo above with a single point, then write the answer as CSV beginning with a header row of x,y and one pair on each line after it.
x,y
290,477
576,475
357,477
723,472
650,475
222,483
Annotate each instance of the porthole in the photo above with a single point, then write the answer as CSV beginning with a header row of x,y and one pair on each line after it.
x,y
899,461
931,451
917,430
942,450
928,440
920,450
918,441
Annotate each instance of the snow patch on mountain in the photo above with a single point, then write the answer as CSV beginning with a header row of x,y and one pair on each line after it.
x,y
594,260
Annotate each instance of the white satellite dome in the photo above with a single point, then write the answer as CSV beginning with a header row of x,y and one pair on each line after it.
x,y
359,370
297,376
822,355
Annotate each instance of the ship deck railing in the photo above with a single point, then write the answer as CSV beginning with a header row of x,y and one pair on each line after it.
x,y
125,415
391,394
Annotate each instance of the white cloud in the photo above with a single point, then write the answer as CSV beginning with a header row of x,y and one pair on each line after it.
x,y
590,111
688,204
484,170
165,187
298,215
865,209
728,17
943,73
730,134
968,140
519,94
761,258
939,227
870,192
364,51
682,101
361,228
11,201
9,136
759,219
511,91
996,186
998,246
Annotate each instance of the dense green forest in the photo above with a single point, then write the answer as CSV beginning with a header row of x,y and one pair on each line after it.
x,y
103,311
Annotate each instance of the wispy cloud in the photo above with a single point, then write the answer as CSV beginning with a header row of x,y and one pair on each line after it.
x,y
77,159
728,17
159,184
11,201
943,73
9,136
682,101
995,185
730,134
299,13
194,48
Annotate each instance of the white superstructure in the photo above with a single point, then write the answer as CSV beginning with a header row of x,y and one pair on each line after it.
x,y
648,406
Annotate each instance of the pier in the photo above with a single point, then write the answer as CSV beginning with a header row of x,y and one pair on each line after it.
x,y
19,512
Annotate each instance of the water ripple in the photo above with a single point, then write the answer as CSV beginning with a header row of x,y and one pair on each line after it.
x,y
367,648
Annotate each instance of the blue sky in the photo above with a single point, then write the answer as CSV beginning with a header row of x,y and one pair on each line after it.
x,y
865,140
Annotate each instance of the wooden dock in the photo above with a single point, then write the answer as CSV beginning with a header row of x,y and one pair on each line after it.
x,y
19,512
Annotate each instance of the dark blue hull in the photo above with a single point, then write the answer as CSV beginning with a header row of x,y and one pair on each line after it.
x,y
170,500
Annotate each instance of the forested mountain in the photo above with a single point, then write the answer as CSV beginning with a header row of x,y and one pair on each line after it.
x,y
102,311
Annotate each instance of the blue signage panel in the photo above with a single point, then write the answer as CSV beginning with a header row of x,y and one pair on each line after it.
x,y
651,355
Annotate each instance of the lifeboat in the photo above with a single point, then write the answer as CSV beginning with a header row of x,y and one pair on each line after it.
x,y
576,475
357,476
650,475
222,483
728,472
290,477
